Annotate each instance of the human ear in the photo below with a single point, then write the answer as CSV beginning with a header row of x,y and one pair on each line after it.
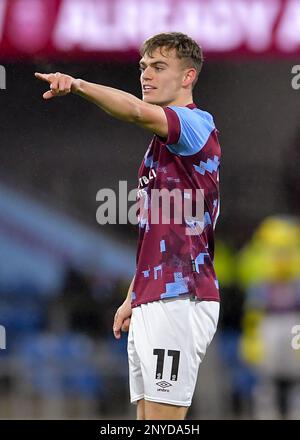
x,y
189,77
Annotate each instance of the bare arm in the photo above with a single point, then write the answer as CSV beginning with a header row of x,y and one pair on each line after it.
x,y
116,103
128,297
123,315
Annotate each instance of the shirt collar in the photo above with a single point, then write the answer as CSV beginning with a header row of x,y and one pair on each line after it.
x,y
192,105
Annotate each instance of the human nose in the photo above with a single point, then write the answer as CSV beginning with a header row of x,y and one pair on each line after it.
x,y
147,75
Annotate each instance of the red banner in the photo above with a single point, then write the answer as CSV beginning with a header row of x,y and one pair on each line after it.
x,y
59,29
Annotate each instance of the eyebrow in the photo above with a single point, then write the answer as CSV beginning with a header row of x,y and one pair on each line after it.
x,y
142,63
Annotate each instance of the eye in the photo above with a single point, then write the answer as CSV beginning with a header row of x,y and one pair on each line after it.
x,y
141,69
158,69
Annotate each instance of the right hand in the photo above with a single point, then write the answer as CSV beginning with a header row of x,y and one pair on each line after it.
x,y
122,319
60,84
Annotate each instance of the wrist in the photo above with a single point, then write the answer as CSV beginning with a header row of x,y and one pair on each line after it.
x,y
76,85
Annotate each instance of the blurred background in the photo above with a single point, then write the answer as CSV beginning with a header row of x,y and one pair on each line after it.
x,y
62,275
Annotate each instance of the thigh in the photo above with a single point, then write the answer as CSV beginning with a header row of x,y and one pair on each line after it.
x,y
136,383
164,411
164,344
204,321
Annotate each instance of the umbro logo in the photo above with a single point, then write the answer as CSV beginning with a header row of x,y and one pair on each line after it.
x,y
164,384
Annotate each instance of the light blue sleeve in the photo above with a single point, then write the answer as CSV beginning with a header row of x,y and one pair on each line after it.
x,y
195,128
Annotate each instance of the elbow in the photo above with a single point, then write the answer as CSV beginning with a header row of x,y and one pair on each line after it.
x,y
138,113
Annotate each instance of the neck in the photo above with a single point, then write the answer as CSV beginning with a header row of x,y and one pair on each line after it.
x,y
181,101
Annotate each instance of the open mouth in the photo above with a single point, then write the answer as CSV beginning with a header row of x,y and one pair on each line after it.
x,y
147,88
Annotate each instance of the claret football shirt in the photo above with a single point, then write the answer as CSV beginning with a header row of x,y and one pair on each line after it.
x,y
178,195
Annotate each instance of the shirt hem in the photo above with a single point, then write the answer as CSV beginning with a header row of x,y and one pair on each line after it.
x,y
148,300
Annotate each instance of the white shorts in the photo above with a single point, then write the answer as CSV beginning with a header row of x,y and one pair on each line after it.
x,y
167,341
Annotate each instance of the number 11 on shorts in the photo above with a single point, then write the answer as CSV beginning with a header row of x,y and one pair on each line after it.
x,y
160,353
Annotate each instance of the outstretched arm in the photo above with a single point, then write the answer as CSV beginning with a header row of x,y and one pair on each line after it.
x,y
116,103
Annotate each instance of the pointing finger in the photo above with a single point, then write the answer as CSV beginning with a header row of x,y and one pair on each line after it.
x,y
43,77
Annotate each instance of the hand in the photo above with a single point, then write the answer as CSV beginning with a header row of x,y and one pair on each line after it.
x,y
60,84
122,319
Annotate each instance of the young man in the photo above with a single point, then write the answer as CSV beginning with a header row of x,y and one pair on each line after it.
x,y
172,306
